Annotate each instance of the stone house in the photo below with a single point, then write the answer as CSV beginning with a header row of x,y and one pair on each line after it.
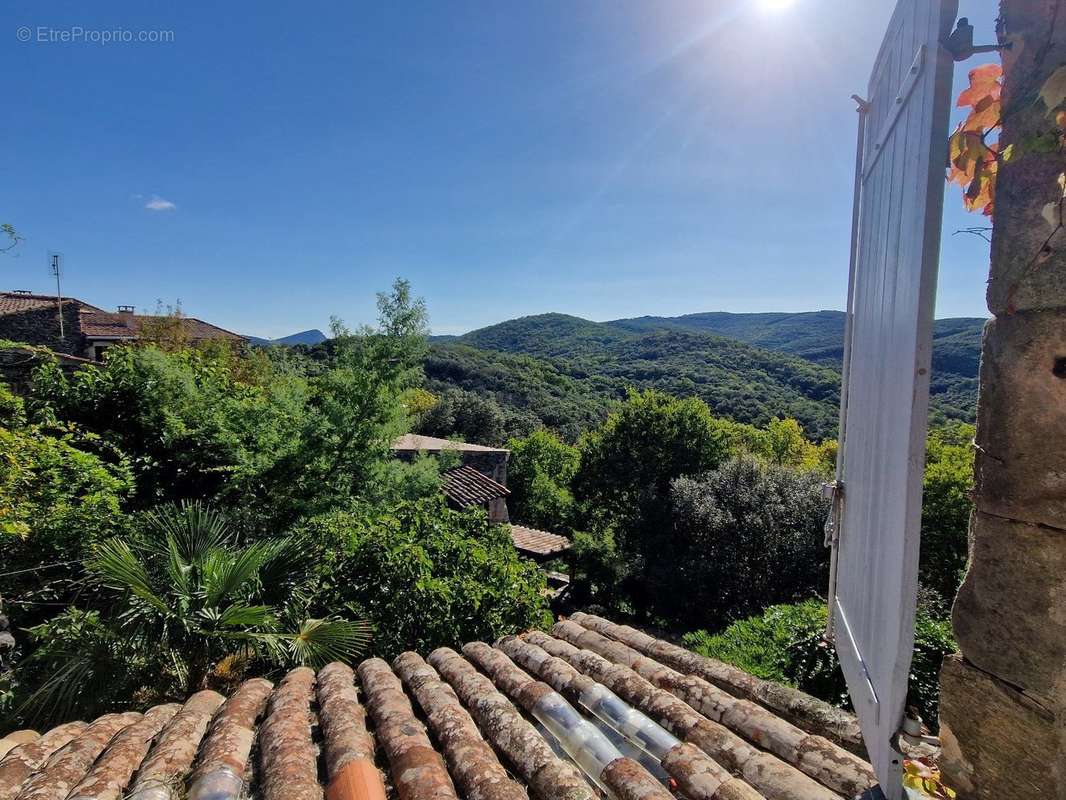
x,y
87,330
480,479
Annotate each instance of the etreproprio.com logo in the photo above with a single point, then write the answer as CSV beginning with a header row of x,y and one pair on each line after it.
x,y
76,34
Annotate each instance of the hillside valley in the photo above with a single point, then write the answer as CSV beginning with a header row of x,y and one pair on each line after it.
x,y
564,371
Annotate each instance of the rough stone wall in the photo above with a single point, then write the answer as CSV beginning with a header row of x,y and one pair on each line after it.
x,y
40,326
17,364
1003,702
490,463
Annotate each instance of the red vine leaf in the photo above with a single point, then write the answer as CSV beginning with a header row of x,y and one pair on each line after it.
x,y
974,162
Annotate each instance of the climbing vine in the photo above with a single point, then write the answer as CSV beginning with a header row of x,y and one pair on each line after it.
x,y
974,159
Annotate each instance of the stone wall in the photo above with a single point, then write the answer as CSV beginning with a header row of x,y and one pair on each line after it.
x,y
16,366
40,326
1003,702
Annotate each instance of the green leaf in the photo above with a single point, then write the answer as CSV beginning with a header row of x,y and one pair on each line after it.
x,y
116,567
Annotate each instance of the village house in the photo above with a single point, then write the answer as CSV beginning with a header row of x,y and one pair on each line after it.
x,y
86,331
480,479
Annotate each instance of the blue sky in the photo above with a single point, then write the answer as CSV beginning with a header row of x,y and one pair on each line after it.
x,y
276,163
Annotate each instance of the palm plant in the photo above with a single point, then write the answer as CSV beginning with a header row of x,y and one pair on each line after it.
x,y
190,597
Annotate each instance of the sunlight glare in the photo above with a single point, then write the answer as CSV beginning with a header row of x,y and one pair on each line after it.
x,y
774,6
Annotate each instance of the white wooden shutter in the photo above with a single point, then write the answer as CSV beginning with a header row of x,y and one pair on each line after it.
x,y
900,192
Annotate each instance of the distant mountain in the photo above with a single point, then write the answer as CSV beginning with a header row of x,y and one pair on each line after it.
x,y
313,336
736,379
814,335
750,367
817,335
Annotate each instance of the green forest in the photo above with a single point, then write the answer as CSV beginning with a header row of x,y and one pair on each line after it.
x,y
184,516
564,372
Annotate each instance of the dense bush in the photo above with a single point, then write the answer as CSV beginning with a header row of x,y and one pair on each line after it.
x,y
466,415
56,501
745,536
785,644
191,427
624,477
243,430
425,575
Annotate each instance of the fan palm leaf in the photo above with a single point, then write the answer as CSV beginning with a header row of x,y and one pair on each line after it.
x,y
320,641
116,566
225,572
192,528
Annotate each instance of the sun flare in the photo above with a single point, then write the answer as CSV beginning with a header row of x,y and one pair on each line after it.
x,y
774,6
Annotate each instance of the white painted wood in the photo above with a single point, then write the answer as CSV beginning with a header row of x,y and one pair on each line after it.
x,y
891,302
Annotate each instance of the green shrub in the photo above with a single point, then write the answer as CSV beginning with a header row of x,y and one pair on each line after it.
x,y
786,644
425,575
624,478
745,536
56,500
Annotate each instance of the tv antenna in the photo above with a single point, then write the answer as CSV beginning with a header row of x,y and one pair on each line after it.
x,y
56,267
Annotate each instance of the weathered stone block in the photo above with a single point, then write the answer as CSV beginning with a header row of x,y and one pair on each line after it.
x,y
1028,249
1010,614
996,742
1021,418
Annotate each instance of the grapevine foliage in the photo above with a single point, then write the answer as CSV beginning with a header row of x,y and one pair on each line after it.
x,y
975,160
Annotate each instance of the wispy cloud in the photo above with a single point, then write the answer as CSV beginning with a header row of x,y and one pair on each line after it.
x,y
157,203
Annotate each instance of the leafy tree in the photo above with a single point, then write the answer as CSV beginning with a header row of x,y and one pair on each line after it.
x,y
355,408
627,465
190,426
539,475
425,575
746,535
469,416
946,507
56,500
187,599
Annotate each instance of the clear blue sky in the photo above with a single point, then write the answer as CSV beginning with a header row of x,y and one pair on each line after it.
x,y
277,163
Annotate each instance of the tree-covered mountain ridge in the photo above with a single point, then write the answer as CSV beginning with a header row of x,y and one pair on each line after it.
x,y
564,370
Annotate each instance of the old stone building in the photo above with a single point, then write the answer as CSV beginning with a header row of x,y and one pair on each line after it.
x,y
86,330
480,479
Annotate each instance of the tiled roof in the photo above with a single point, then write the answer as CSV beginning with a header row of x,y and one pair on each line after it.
x,y
15,302
592,706
431,444
465,487
97,323
106,325
538,543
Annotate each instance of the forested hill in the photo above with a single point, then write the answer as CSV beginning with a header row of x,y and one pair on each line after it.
x,y
564,370
819,335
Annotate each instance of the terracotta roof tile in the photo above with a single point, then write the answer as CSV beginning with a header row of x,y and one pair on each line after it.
x,y
107,325
16,302
466,487
714,743
98,323
537,542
